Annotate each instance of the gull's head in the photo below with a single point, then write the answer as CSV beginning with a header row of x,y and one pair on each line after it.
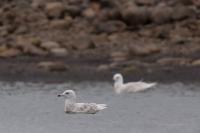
x,y
117,77
68,94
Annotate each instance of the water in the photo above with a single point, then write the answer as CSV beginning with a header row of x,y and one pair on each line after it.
x,y
31,108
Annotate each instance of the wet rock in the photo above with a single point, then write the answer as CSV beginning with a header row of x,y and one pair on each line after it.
x,y
110,26
174,61
130,69
52,66
55,9
61,23
196,62
12,52
134,15
161,14
103,67
118,56
49,45
59,52
143,50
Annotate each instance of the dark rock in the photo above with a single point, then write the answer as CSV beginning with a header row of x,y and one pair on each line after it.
x,y
73,10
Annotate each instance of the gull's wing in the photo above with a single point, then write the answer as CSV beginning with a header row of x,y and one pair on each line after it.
x,y
137,86
89,108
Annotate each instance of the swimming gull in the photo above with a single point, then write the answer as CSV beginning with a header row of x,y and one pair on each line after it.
x,y
120,86
72,107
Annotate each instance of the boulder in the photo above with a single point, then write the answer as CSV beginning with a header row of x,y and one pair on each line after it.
x,y
61,23
110,26
49,45
161,14
135,15
143,50
175,61
12,52
59,52
52,66
118,56
54,9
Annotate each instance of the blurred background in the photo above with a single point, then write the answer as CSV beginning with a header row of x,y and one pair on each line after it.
x,y
46,46
78,39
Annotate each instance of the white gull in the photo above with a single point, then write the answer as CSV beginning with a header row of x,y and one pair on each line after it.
x,y
72,107
120,86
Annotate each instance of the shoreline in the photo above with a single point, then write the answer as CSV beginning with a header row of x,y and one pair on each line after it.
x,y
26,69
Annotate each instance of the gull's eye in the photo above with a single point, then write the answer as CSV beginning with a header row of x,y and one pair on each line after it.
x,y
67,93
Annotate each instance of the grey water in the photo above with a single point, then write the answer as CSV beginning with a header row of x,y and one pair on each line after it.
x,y
35,107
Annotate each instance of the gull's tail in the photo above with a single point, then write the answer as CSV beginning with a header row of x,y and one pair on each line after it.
x,y
149,85
146,86
101,106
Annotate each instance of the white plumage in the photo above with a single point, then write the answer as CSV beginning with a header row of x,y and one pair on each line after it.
x,y
120,86
72,107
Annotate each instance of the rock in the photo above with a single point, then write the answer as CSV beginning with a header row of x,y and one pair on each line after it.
x,y
89,13
28,46
38,3
49,45
196,2
118,56
52,66
174,61
161,14
196,62
143,50
61,23
134,15
102,67
100,40
182,12
73,10
130,69
54,9
146,2
59,52
12,52
110,26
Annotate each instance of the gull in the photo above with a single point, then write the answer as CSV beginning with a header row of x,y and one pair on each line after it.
x,y
120,86
72,107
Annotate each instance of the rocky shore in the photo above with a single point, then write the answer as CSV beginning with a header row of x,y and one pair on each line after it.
x,y
100,36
